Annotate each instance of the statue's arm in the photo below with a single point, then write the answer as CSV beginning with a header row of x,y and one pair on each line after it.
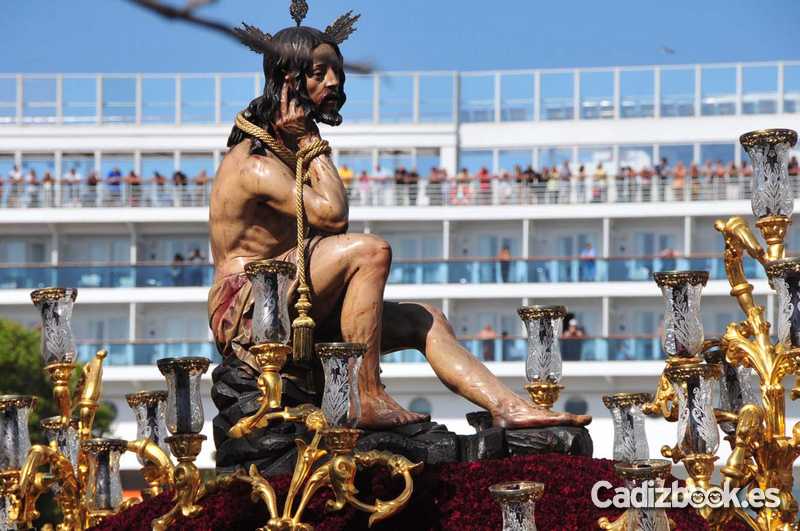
x,y
325,201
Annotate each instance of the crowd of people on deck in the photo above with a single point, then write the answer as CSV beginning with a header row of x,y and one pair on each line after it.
x,y
28,189
549,184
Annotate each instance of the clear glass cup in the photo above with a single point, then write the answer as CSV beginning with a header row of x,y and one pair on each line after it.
x,y
697,425
184,413
341,403
736,387
630,438
784,276
55,307
104,492
271,280
150,410
517,500
683,329
770,150
649,473
15,440
544,325
65,438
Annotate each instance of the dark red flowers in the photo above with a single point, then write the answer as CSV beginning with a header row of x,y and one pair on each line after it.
x,y
451,496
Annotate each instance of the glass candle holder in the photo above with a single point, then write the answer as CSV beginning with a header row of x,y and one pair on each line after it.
x,y
652,473
15,440
517,500
683,328
150,410
65,438
784,276
341,404
104,488
55,306
769,150
735,387
184,411
544,325
697,425
630,438
271,280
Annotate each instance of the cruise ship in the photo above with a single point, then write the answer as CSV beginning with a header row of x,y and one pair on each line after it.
x,y
477,244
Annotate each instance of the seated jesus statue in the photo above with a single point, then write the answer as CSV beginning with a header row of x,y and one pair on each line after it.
x,y
252,217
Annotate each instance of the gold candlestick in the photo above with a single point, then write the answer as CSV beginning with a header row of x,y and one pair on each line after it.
x,y
185,448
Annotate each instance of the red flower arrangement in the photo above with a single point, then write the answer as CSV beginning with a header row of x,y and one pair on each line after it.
x,y
449,496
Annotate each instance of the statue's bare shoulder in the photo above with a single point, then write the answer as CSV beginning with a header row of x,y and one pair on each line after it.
x,y
250,175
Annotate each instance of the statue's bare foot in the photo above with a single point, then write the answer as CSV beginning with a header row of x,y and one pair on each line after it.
x,y
380,411
523,414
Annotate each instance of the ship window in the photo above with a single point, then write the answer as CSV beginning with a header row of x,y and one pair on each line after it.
x,y
576,405
420,405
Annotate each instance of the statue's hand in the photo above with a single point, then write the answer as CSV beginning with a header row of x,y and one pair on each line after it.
x,y
292,120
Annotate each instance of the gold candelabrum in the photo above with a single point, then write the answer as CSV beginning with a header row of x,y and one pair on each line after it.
x,y
82,471
329,459
754,422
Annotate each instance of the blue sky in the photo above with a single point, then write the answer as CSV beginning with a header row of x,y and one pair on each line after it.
x,y
115,36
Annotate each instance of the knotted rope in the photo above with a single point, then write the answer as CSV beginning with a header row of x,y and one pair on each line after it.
x,y
303,325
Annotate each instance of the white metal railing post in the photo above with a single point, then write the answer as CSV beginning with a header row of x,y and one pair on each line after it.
x,y
687,235
737,154
58,169
178,100
498,100
526,238
60,99
698,90
99,98
537,96
20,99
257,86
457,102
739,94
415,98
576,94
139,102
617,95
780,87
657,92
217,99
376,98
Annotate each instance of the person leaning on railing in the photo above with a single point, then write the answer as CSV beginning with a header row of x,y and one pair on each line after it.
x,y
133,189
200,188
48,186
436,181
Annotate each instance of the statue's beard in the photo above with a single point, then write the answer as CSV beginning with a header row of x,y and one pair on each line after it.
x,y
331,117
327,114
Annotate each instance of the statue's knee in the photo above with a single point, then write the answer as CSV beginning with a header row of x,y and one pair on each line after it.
x,y
374,252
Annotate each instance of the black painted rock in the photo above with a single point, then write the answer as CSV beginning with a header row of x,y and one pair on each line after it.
x,y
426,442
236,395
568,440
488,443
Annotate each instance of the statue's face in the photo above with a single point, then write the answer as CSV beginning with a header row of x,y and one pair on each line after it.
x,y
323,82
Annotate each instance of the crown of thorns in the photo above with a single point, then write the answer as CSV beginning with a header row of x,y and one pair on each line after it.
x,y
261,42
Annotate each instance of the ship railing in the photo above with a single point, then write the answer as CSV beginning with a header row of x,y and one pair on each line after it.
x,y
433,271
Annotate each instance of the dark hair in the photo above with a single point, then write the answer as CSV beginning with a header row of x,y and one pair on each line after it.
x,y
300,41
